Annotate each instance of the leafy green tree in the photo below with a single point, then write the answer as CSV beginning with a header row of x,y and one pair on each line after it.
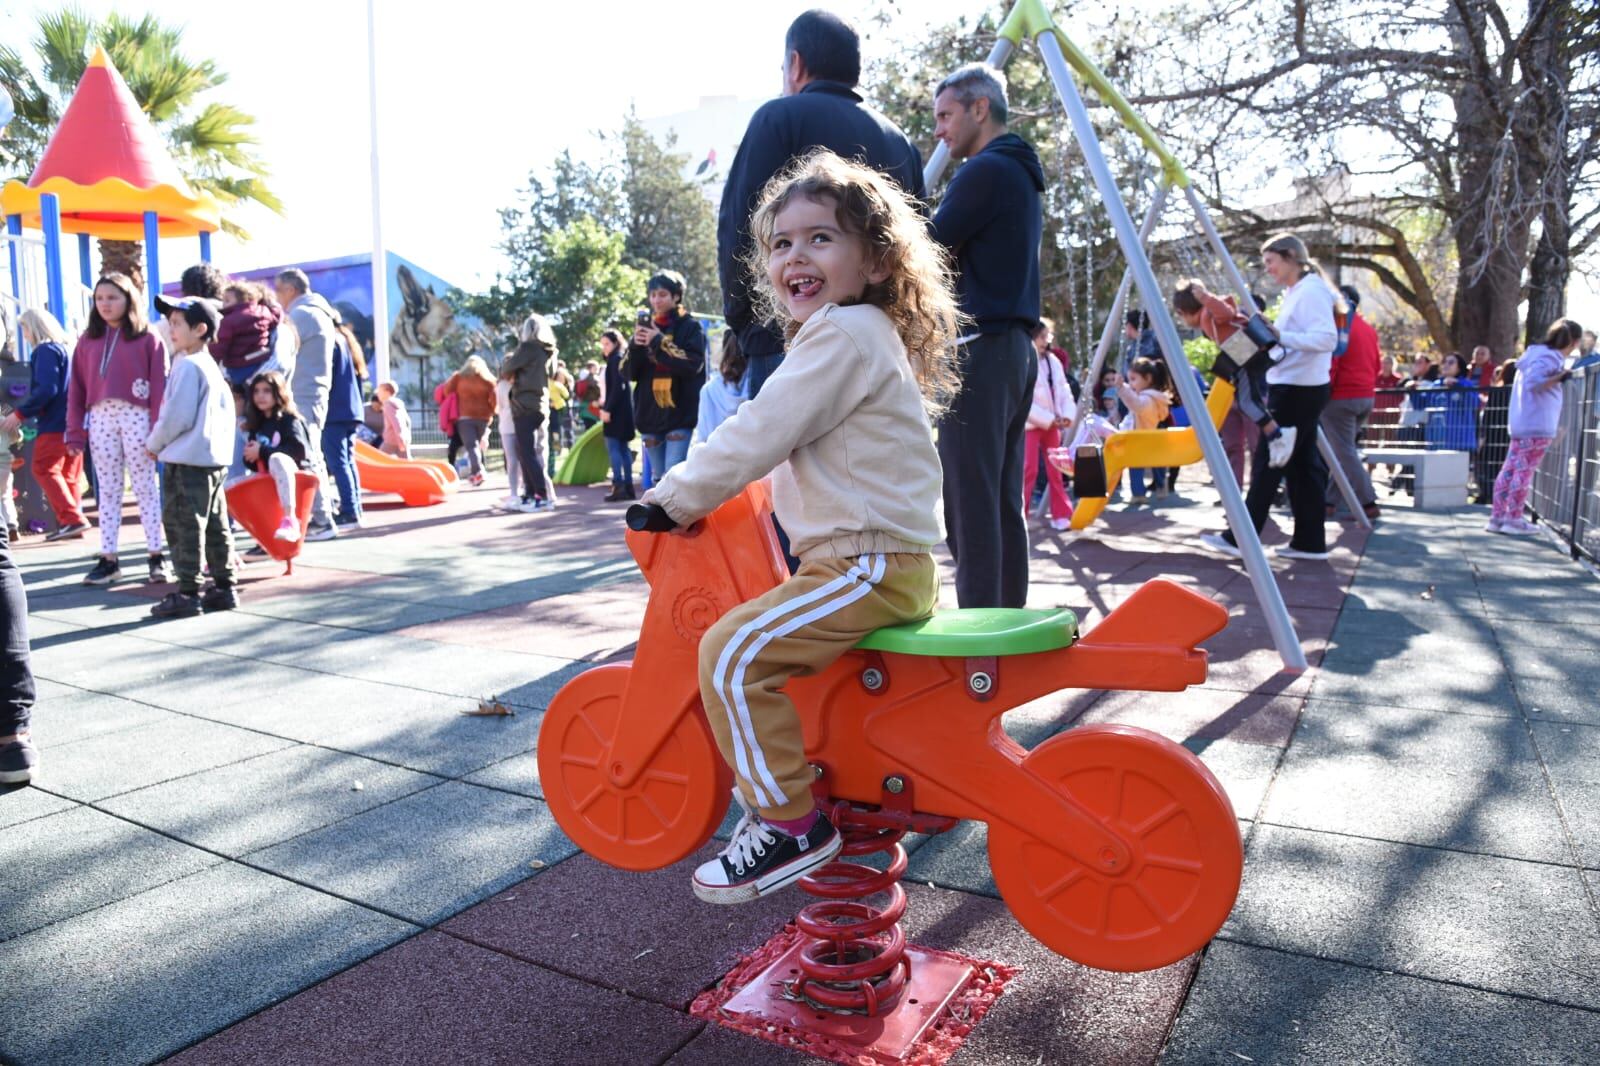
x,y
634,205
211,141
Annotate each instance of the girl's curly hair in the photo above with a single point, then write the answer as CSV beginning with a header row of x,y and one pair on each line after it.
x,y
919,294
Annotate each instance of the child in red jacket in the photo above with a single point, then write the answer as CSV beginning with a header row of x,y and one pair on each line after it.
x,y
248,320
1240,361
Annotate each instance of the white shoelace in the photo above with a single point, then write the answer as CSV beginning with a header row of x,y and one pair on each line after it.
x,y
750,840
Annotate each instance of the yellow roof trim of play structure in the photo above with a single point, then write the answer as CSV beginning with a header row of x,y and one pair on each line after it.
x,y
113,209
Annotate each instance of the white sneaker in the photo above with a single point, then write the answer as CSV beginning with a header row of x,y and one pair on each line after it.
x,y
1281,447
1218,543
1058,524
509,503
1494,526
327,532
1518,527
1284,551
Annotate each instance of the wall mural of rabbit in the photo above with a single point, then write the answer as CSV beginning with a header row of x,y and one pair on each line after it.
x,y
424,319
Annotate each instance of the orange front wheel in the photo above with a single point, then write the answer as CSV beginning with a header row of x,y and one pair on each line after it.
x,y
1179,827
669,811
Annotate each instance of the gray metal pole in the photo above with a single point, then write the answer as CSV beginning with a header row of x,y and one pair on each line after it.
x,y
1247,301
1109,334
1244,533
941,154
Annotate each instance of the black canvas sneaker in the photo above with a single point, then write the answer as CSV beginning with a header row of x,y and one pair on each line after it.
x,y
176,605
760,859
106,570
215,598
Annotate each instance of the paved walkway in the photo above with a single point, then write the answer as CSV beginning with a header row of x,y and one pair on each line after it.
x,y
271,835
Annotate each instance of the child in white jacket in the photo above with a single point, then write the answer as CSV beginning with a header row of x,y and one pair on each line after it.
x,y
1052,411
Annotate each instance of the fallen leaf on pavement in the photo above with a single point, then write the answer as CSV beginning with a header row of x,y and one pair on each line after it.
x,y
490,709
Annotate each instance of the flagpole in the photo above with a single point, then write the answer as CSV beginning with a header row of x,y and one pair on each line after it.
x,y
380,271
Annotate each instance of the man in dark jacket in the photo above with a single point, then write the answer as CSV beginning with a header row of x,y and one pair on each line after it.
x,y
528,369
819,108
992,220
339,432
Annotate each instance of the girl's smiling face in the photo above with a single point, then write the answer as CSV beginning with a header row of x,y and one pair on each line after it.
x,y
813,262
1137,381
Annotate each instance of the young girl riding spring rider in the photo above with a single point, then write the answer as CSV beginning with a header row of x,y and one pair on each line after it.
x,y
844,260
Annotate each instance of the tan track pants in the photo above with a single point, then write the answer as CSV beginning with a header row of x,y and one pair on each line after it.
x,y
797,629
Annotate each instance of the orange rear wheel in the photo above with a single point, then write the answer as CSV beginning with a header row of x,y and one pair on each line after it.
x,y
1180,830
669,811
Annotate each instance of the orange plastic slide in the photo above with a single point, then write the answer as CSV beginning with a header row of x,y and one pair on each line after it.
x,y
418,482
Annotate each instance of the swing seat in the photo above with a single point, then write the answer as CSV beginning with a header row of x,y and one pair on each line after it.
x,y
1137,449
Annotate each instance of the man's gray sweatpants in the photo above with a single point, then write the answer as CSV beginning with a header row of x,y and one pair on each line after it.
x,y
1344,421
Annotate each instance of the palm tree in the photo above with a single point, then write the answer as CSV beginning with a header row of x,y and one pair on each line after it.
x,y
211,142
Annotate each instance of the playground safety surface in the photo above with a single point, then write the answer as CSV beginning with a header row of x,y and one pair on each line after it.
x,y
271,835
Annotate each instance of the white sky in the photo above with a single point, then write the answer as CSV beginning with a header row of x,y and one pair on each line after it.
x,y
472,96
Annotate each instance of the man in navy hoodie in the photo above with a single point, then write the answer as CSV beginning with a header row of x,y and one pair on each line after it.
x,y
992,220
819,109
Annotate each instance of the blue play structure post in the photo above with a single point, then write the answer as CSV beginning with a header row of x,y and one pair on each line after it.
x,y
85,266
14,229
50,222
152,257
205,247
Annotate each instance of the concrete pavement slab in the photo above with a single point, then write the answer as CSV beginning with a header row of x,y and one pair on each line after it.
x,y
1244,770
1504,925
1406,685
428,855
78,860
436,738
1200,713
252,804
1572,754
1251,1004
519,774
146,755
439,999
640,933
1422,777
189,957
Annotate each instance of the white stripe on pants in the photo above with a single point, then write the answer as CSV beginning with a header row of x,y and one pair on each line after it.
x,y
117,432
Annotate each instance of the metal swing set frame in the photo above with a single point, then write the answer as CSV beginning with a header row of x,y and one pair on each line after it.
x,y
1066,63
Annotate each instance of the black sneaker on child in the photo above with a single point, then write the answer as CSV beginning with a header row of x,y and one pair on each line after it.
x,y
177,605
106,570
18,760
159,570
215,598
760,859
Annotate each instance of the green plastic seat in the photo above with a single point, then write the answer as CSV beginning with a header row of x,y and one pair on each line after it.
x,y
978,632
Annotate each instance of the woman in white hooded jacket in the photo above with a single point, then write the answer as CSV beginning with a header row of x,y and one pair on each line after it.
x,y
1297,391
1052,411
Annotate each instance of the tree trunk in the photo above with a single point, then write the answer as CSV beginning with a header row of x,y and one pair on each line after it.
x,y
123,257
1548,274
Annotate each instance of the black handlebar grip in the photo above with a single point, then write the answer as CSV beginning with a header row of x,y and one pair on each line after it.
x,y
649,518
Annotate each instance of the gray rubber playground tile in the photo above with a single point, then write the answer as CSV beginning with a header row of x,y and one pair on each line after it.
x,y
1548,699
1572,754
426,856
1500,924
1422,777
958,859
473,673
19,803
519,774
439,999
313,706
195,681
1409,684
435,737
146,755
105,662
1577,665
145,976
1245,770
94,609
1383,659
81,859
1250,1004
344,610
1515,632
79,715
252,804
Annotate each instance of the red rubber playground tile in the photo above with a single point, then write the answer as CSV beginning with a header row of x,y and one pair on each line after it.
x,y
439,999
640,933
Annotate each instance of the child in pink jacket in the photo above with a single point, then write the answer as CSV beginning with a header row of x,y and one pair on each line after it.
x,y
1052,411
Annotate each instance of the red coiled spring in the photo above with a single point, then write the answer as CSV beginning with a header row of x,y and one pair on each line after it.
x,y
856,960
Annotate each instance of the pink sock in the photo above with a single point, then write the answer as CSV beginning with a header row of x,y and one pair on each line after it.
x,y
795,827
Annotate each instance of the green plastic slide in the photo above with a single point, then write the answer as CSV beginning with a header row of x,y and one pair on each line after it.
x,y
587,461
